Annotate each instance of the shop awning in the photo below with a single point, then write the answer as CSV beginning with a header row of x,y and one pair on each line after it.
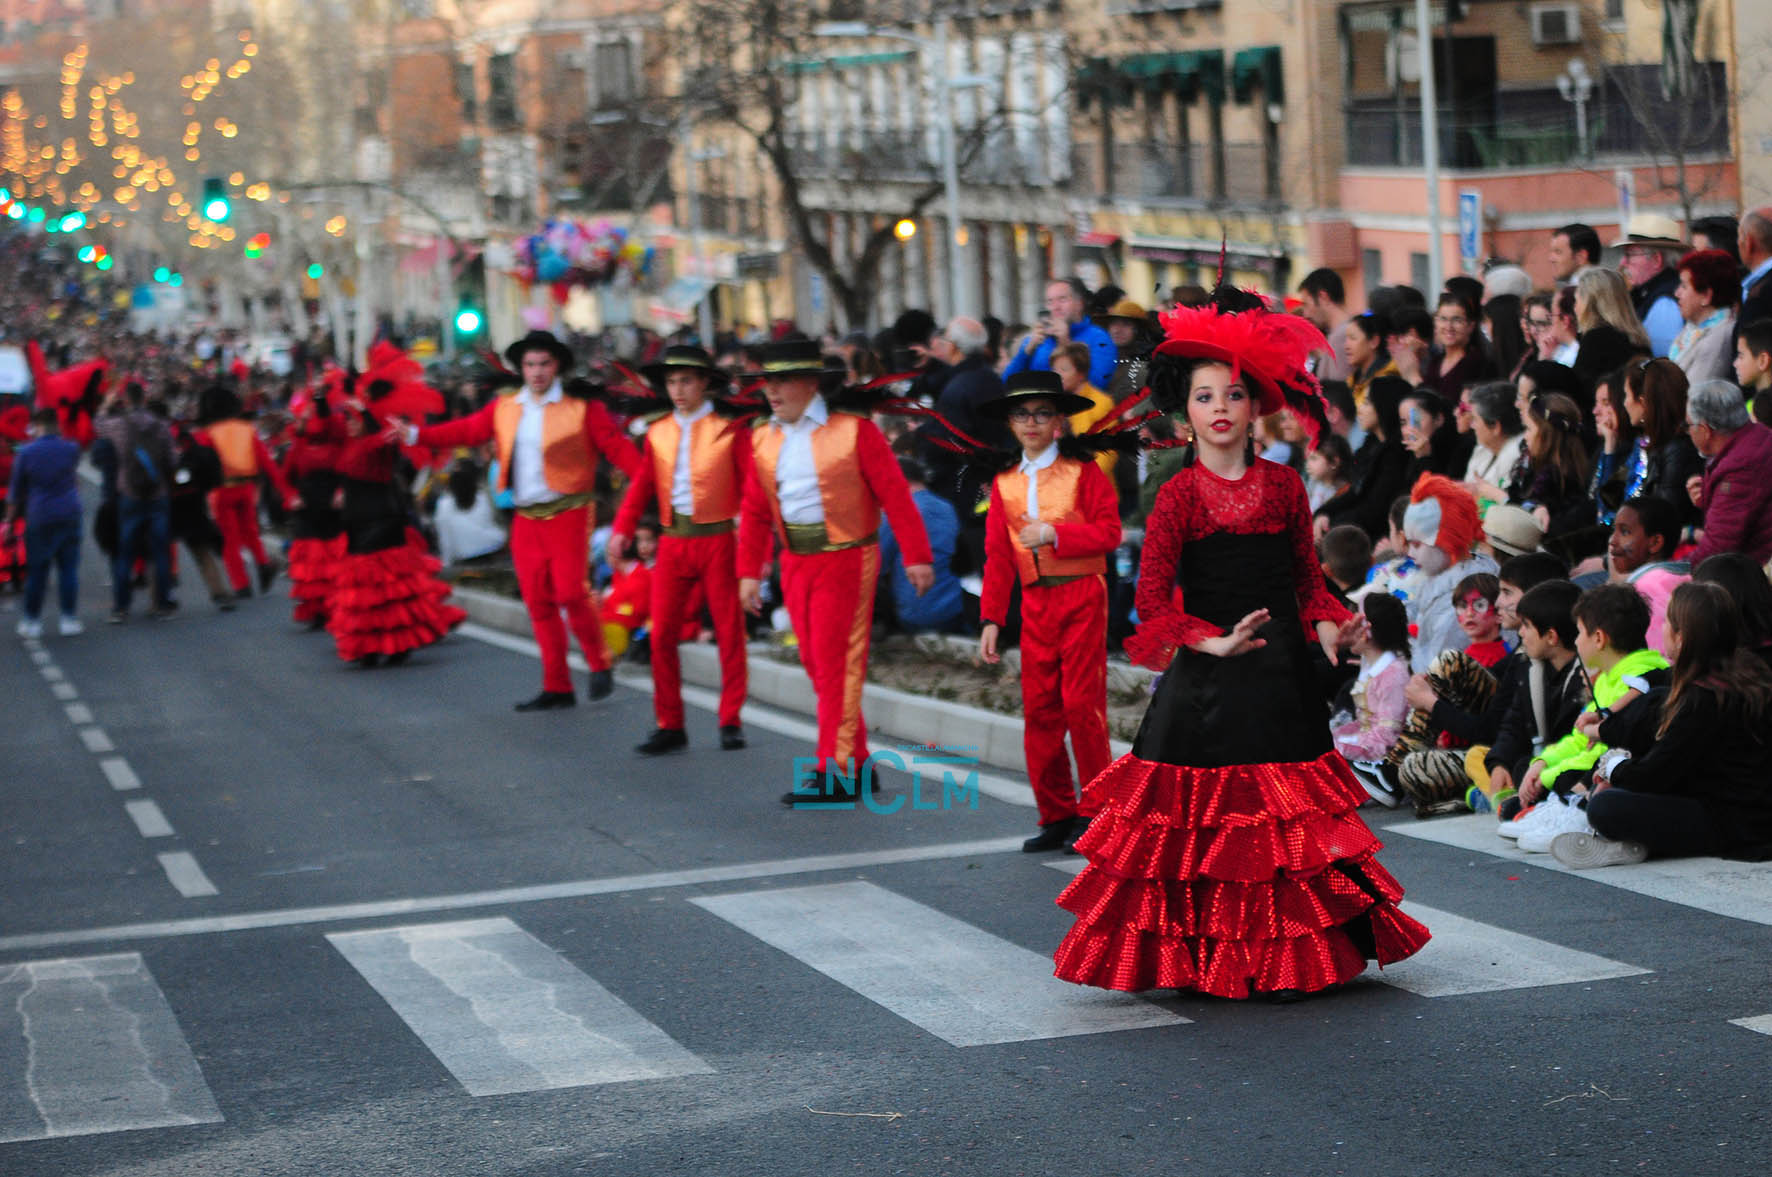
x,y
807,65
1097,239
1187,73
1259,66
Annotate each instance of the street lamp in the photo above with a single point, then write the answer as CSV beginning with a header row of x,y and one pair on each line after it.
x,y
944,92
1576,85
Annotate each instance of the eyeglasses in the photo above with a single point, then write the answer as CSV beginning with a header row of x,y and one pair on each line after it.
x,y
1534,324
1042,416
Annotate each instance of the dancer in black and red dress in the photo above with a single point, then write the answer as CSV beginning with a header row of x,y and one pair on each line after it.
x,y
387,600
317,542
1226,855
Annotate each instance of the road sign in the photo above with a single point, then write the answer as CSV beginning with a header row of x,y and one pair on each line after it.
x,y
1470,228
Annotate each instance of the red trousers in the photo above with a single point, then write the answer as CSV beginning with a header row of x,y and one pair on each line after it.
x,y
236,512
1064,688
552,558
684,561
830,600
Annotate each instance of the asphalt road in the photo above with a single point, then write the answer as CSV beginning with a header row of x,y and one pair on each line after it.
x,y
264,913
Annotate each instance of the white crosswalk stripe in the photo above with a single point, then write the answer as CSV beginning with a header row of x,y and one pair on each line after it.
x,y
964,985
1759,1025
506,1013
89,1045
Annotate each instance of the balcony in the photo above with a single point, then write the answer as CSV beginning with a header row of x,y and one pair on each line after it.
x,y
1008,156
1156,171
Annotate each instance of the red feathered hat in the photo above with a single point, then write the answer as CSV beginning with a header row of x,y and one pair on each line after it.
x,y
394,386
1268,351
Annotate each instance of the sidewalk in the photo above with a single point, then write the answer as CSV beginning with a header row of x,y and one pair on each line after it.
x,y
901,715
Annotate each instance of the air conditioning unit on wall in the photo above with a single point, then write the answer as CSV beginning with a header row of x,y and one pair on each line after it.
x,y
1555,24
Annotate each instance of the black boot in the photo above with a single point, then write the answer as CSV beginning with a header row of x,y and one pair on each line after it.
x,y
1052,836
602,685
549,701
662,740
731,737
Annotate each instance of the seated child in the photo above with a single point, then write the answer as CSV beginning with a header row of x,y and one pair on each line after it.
x,y
1549,700
626,604
1328,469
1397,574
1346,556
1692,780
1383,648
1611,645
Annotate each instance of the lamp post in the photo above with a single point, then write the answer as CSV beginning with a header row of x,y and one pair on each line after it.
x,y
704,323
1430,146
945,86
1576,85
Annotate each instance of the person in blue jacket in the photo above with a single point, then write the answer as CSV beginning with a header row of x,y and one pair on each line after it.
x,y
1066,320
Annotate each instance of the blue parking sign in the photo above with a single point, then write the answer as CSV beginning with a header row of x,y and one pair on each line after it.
x,y
1470,227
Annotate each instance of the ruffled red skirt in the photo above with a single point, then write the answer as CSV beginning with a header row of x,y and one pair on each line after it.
x,y
311,566
389,602
1231,881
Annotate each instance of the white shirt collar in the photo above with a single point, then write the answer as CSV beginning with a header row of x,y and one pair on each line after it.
x,y
816,412
691,418
1378,665
1039,461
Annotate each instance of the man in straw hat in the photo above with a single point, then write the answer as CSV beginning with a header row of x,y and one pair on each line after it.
x,y
1649,240
549,443
819,480
693,473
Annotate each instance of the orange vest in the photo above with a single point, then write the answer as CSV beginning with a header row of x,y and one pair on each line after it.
x,y
713,474
232,442
851,512
568,462
1057,488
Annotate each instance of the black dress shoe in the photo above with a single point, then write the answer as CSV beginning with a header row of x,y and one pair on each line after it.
x,y
662,740
398,659
602,685
266,574
549,701
816,789
731,738
1052,836
1079,827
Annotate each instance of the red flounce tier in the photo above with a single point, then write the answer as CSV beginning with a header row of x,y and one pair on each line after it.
x,y
1250,878
311,567
389,602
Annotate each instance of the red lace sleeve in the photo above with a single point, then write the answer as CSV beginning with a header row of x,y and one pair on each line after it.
x,y
1164,625
1314,600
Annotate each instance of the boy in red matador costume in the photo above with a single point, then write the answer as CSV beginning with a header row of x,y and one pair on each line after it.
x,y
234,504
549,441
1226,854
1054,517
693,474
819,479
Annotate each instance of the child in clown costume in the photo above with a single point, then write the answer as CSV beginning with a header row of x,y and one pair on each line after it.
x,y
1226,854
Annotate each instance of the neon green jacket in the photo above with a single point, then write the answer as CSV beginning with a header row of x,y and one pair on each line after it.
x,y
1575,752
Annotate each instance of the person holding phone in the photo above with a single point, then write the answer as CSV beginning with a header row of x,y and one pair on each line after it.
x,y
1065,320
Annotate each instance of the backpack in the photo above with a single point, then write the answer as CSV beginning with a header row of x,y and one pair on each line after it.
x,y
141,470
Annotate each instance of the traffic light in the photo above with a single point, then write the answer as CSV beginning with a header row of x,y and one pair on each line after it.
x,y
215,201
468,320
316,271
73,221
257,244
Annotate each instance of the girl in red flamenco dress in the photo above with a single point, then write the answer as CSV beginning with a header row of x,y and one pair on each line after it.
x,y
1227,856
317,542
387,600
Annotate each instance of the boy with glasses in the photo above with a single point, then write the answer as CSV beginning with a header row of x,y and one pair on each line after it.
x,y
1054,518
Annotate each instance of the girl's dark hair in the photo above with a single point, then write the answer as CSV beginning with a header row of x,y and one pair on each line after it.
x,y
1169,379
1388,622
1340,397
464,484
1746,584
1661,385
1506,337
1611,386
1374,325
1386,394
1558,445
1529,571
1550,609
1710,658
1337,452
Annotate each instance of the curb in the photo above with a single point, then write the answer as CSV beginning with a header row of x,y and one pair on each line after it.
x,y
911,718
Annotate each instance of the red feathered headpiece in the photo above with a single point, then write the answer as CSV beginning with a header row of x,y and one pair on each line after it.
x,y
394,386
15,423
1268,351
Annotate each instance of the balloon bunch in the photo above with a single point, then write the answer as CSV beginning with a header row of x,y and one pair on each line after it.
x,y
579,253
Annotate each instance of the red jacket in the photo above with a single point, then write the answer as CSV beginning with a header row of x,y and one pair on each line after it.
x,y
1737,498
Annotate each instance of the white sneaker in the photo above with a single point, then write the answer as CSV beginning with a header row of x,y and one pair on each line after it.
x,y
29,628
71,626
1563,819
1527,818
1586,850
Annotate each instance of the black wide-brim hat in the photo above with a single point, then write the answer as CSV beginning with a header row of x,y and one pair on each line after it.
x,y
686,358
1029,386
540,341
791,357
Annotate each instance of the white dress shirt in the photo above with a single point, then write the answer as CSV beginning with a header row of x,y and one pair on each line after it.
x,y
796,474
682,502
529,483
1032,467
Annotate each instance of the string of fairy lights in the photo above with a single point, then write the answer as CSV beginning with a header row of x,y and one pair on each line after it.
x,y
41,157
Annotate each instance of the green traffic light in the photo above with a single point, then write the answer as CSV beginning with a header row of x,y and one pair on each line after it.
x,y
106,262
316,271
176,280
217,209
162,274
467,321
36,216
73,221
